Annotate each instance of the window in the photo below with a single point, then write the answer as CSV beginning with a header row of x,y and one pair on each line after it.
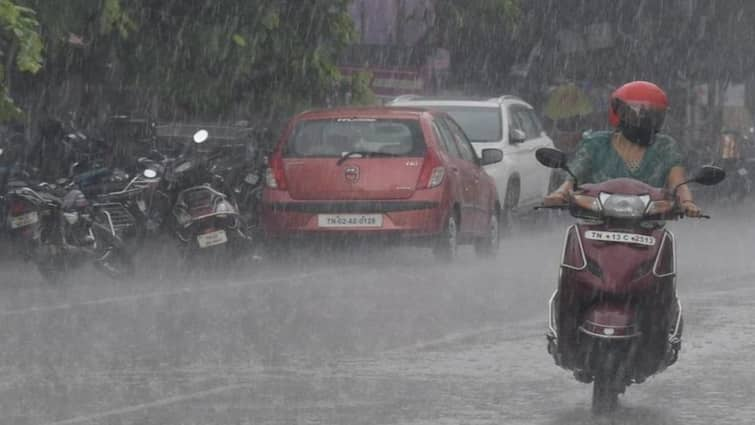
x,y
465,147
336,137
445,139
522,120
480,124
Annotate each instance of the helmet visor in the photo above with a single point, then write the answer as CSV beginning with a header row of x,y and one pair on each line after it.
x,y
640,115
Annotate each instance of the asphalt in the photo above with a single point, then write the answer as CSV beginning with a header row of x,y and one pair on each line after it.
x,y
359,335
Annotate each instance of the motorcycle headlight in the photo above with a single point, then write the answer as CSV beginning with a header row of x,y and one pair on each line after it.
x,y
624,206
585,202
662,207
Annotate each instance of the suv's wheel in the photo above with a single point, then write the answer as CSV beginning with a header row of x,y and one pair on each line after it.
x,y
487,246
506,220
447,244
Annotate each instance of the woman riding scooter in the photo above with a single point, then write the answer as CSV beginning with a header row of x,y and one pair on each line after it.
x,y
615,319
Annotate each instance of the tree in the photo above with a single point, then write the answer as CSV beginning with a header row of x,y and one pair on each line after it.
x,y
199,58
21,48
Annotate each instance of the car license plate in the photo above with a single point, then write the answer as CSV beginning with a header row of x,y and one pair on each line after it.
x,y
350,220
24,220
620,237
217,237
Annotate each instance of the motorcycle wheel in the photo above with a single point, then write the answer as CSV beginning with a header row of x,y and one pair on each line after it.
x,y
605,388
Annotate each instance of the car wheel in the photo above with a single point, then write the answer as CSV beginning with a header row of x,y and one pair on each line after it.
x,y
447,244
506,217
487,246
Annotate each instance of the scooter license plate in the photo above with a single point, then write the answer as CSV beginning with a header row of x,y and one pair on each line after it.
x,y
23,220
217,237
620,237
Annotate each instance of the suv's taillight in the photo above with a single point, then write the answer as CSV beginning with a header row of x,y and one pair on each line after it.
x,y
275,176
432,172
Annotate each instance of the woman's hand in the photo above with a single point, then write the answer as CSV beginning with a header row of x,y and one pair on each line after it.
x,y
558,197
690,209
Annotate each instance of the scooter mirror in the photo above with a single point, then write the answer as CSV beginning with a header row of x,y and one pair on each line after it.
x,y
201,136
709,176
150,173
551,158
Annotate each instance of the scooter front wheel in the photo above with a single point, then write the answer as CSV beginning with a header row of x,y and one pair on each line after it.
x,y
606,387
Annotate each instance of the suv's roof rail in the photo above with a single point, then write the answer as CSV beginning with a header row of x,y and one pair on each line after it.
x,y
504,97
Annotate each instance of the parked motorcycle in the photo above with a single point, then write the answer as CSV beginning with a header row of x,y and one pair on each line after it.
x,y
59,229
615,319
205,216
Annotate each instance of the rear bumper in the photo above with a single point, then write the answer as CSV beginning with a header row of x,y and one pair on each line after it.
x,y
420,216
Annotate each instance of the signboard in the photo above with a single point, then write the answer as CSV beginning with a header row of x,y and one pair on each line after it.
x,y
391,82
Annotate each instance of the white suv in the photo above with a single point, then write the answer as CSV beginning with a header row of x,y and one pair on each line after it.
x,y
507,123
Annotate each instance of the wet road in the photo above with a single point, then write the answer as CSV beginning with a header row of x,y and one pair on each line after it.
x,y
365,336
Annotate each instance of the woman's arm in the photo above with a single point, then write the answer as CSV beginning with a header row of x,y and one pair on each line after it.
x,y
676,177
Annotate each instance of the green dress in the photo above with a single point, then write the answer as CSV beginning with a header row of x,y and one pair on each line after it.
x,y
596,160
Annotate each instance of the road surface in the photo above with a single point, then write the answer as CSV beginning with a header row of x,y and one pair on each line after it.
x,y
360,336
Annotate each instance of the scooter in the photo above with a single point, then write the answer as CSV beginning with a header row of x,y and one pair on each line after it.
x,y
615,319
205,216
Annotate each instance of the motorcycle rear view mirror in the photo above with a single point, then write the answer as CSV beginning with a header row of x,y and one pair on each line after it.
x,y
201,136
551,158
709,176
554,158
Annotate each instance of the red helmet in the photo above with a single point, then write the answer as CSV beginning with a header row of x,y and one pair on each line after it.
x,y
638,103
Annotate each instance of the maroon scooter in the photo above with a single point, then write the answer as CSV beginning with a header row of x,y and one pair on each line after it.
x,y
615,319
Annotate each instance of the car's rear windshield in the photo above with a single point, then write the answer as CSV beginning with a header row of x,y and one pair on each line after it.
x,y
480,123
337,137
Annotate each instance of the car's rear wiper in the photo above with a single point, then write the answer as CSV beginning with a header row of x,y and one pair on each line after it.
x,y
348,155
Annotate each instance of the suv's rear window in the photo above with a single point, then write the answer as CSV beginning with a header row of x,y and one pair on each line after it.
x,y
481,124
337,137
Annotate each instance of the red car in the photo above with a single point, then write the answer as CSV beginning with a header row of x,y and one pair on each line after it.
x,y
389,171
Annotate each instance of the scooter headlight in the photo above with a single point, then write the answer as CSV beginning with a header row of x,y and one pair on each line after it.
x,y
624,206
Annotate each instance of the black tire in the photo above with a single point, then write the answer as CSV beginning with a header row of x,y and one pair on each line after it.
x,y
446,245
606,387
488,245
506,216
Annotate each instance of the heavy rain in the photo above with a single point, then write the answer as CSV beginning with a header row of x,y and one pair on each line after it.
x,y
377,212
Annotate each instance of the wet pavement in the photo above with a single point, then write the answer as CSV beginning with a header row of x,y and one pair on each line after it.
x,y
359,336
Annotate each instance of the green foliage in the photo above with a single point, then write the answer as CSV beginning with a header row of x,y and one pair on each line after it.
x,y
21,41
197,58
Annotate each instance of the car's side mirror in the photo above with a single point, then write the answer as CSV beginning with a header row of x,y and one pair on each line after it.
x,y
491,156
517,136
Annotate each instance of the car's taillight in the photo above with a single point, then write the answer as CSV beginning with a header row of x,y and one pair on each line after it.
x,y
432,172
18,207
275,175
